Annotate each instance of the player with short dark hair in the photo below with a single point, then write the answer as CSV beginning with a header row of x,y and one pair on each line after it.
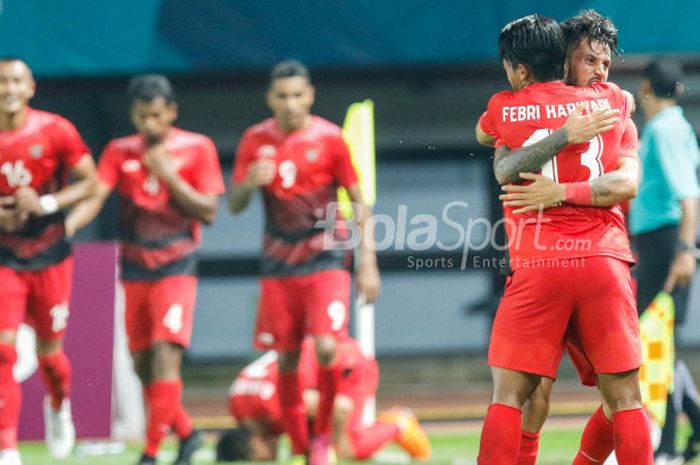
x,y
543,289
254,403
168,181
38,153
299,161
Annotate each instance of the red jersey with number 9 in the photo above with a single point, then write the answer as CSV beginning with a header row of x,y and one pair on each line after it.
x,y
311,164
518,119
39,155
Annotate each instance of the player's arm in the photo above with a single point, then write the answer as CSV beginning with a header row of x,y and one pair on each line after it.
x,y
84,176
684,264
260,173
368,281
86,210
605,191
483,138
191,201
577,129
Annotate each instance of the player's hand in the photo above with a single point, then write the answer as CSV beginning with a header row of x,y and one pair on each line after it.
x,y
540,194
581,128
10,219
682,271
27,203
260,173
160,162
368,282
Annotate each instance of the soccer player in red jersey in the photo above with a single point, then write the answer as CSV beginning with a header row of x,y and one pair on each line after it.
x,y
299,160
168,181
591,39
571,265
254,403
38,152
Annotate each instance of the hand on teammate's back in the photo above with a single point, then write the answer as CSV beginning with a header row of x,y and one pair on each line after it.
x,y
581,128
540,194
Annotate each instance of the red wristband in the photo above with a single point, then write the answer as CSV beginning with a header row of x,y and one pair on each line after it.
x,y
579,193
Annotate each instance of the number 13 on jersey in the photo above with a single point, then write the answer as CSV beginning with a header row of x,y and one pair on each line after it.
x,y
590,158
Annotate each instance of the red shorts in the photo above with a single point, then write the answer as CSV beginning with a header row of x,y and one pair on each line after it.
x,y
159,310
293,306
589,299
38,297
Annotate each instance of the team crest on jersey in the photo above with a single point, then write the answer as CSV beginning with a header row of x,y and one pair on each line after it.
x,y
311,154
131,166
36,150
267,151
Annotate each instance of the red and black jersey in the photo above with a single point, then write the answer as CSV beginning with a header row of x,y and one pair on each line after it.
x,y
312,164
158,239
518,119
38,155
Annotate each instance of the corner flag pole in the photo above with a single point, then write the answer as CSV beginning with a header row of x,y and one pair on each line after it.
x,y
358,132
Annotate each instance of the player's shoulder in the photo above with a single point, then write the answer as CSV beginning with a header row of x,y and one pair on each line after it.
x,y
325,127
502,98
125,144
44,119
263,128
184,137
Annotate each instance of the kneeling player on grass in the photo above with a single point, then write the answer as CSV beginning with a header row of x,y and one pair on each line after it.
x,y
254,404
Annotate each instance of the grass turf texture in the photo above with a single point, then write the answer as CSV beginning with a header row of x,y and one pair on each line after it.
x,y
557,447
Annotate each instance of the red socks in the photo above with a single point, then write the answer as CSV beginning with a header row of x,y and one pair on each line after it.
x,y
632,438
367,441
529,443
596,441
56,373
293,412
10,398
500,436
328,378
163,401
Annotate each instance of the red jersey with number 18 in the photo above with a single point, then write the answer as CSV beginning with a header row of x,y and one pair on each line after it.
x,y
518,119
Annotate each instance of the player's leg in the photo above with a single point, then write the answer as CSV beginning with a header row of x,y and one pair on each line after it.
x,y
48,309
607,326
171,305
327,302
280,325
535,413
13,297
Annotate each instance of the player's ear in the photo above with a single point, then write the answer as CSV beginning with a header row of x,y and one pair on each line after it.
x,y
524,72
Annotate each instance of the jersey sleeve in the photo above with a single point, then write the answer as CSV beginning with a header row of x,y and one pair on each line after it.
x,y
108,165
208,178
630,140
488,122
343,170
71,146
244,155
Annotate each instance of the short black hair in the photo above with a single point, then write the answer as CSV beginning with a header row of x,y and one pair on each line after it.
x,y
147,87
289,68
665,77
233,445
537,42
591,26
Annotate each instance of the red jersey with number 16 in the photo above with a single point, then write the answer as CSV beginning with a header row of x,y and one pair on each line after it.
x,y
311,164
158,238
39,155
518,119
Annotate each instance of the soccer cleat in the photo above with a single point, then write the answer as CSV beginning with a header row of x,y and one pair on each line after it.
x,y
321,451
10,457
59,429
188,446
146,460
412,438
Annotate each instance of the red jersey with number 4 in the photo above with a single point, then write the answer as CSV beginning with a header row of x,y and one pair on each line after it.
x,y
311,164
158,238
518,119
38,155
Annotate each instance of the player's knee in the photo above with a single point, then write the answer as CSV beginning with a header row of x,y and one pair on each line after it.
x,y
325,350
621,391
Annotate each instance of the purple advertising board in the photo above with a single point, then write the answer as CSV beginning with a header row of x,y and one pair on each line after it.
x,y
88,344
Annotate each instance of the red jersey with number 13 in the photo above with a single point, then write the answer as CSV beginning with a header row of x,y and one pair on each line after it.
x,y
518,119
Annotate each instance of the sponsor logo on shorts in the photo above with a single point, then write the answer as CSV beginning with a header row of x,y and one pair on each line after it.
x,y
266,339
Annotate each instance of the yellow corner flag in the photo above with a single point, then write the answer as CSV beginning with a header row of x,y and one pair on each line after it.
x,y
656,373
358,132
